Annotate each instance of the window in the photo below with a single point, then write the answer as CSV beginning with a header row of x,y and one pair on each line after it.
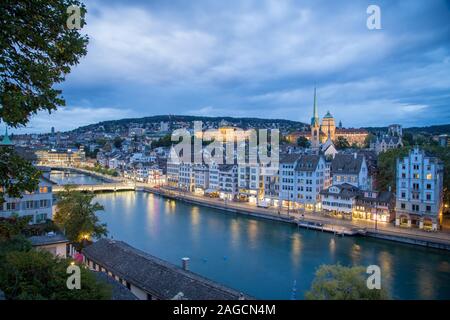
x,y
428,196
43,189
402,205
428,208
429,176
11,206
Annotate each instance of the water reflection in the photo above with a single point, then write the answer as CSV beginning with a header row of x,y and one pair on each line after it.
x,y
261,257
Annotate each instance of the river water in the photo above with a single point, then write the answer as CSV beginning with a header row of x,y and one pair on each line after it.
x,y
263,258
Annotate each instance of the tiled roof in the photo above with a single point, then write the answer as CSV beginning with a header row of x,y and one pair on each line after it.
x,y
307,163
289,158
162,279
346,164
119,291
48,239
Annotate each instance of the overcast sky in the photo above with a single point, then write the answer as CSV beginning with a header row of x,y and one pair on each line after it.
x,y
260,59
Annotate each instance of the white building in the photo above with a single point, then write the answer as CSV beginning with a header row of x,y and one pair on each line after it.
x,y
382,144
419,197
228,181
214,184
173,168
186,179
340,199
201,178
351,169
37,205
249,182
302,178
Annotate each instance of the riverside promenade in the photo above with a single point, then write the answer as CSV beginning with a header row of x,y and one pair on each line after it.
x,y
381,230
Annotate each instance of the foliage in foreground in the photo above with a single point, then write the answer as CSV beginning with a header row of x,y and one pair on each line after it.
x,y
336,282
26,273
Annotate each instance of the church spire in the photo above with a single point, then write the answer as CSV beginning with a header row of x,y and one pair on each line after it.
x,y
6,141
315,118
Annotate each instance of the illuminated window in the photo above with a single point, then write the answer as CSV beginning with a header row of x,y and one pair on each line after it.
x,y
429,176
43,189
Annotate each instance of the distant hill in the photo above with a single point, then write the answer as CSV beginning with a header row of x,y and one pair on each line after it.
x,y
439,129
146,121
434,130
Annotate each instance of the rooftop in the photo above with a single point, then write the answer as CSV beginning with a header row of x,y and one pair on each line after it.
x,y
161,278
49,238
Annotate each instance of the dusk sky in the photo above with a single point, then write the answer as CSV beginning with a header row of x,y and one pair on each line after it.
x,y
260,59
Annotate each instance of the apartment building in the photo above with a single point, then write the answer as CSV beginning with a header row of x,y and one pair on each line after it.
x,y
301,179
37,204
419,198
350,169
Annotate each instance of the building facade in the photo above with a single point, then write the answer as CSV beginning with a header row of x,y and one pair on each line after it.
x,y
419,198
37,205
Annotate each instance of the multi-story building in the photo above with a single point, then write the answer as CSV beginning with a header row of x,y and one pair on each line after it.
x,y
173,169
66,157
228,181
201,178
302,178
419,195
186,179
382,144
214,184
339,199
249,181
351,169
37,204
374,205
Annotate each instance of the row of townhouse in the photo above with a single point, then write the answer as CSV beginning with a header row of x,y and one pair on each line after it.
x,y
341,186
147,172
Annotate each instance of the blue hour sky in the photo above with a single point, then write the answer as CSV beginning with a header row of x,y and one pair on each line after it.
x,y
260,59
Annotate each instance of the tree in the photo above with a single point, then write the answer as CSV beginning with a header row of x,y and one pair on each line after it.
x,y
118,142
37,50
336,282
387,162
12,227
37,275
369,139
302,142
408,139
342,143
76,215
16,174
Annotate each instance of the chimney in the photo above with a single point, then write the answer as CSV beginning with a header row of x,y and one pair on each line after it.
x,y
185,263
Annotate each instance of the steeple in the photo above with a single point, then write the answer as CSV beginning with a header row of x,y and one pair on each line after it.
x,y
6,141
315,118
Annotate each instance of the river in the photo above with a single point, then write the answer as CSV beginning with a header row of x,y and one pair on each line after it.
x,y
263,258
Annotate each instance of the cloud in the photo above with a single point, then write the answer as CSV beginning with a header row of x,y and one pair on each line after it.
x,y
263,57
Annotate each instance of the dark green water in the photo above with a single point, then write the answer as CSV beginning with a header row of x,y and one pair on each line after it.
x,y
263,258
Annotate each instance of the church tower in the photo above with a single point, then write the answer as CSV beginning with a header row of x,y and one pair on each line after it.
x,y
315,127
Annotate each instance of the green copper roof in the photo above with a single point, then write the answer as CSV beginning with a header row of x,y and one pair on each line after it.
x,y
6,141
328,115
315,118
